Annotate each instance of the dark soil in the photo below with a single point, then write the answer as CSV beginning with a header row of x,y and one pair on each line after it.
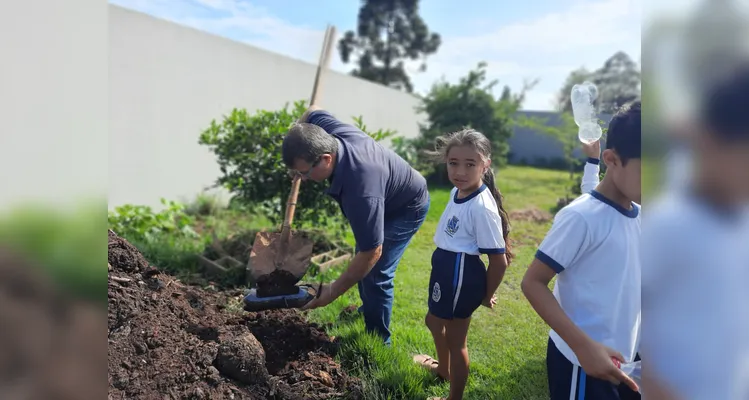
x,y
172,341
48,339
277,283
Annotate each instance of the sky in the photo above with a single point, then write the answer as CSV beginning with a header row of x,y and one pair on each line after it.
x,y
543,39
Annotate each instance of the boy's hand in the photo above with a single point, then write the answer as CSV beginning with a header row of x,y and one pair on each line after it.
x,y
592,150
490,302
597,361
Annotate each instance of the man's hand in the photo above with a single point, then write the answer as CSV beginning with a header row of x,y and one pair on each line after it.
x,y
490,302
596,361
310,110
324,297
592,150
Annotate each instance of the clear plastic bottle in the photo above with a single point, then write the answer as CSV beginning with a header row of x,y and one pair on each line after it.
x,y
582,97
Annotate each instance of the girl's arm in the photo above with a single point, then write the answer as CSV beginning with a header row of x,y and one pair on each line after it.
x,y
494,274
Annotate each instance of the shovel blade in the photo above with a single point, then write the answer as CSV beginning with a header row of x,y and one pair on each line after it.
x,y
265,251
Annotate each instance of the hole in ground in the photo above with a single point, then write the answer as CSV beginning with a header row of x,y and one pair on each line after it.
x,y
287,337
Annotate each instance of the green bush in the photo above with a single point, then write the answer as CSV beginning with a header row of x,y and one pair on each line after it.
x,y
141,224
409,151
470,103
68,245
248,150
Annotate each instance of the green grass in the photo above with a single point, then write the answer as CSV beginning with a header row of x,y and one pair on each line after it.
x,y
67,244
506,346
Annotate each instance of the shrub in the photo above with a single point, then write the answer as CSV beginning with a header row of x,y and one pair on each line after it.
x,y
469,103
68,245
248,150
141,224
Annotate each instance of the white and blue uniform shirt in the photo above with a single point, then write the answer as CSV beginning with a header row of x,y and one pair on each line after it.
x,y
594,247
468,227
471,225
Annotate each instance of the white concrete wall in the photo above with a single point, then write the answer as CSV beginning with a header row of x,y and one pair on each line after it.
x,y
77,75
167,82
53,109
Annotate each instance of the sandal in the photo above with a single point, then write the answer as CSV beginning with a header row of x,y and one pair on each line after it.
x,y
428,363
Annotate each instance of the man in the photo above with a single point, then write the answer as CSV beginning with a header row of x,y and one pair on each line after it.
x,y
383,198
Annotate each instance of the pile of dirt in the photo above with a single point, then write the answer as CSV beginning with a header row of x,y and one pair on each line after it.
x,y
531,214
48,339
170,340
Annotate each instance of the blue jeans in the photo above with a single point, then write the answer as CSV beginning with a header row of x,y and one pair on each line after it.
x,y
376,289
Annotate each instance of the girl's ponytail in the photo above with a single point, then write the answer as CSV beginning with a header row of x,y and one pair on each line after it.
x,y
489,181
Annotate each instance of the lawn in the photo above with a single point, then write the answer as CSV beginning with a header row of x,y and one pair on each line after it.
x,y
506,345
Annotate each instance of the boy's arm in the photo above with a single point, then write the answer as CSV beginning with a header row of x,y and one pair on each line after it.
x,y
535,286
592,168
591,173
595,358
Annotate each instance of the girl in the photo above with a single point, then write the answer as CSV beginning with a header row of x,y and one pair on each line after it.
x,y
473,223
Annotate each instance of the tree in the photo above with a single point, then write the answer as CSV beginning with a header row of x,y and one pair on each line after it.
x,y
389,32
618,82
575,77
469,103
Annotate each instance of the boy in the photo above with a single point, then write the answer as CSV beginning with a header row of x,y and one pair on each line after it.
x,y
593,248
695,256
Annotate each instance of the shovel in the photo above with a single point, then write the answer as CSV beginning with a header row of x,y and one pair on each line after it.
x,y
279,260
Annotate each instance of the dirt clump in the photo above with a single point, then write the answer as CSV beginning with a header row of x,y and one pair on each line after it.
x,y
124,255
277,283
531,215
168,340
242,358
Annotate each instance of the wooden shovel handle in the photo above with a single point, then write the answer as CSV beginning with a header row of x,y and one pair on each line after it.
x,y
291,203
324,62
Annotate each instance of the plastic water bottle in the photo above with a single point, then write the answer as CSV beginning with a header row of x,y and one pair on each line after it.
x,y
582,98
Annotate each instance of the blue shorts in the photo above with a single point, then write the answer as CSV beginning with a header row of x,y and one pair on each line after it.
x,y
569,381
457,286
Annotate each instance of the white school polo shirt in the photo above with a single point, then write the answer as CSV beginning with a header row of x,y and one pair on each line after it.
x,y
471,225
695,298
594,246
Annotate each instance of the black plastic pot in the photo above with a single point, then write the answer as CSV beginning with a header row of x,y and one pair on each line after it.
x,y
253,303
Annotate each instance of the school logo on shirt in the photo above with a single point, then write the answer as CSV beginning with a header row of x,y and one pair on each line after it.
x,y
436,292
452,226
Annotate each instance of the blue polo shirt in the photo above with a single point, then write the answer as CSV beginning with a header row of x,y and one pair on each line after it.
x,y
371,183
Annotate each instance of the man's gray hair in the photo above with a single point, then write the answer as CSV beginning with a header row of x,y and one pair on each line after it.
x,y
306,142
